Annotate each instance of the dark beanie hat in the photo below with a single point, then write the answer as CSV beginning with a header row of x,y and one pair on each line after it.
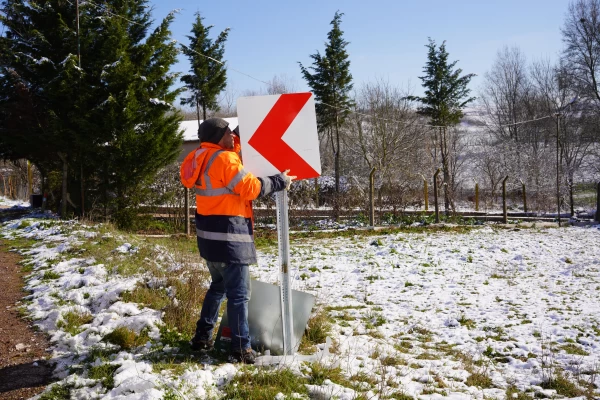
x,y
212,130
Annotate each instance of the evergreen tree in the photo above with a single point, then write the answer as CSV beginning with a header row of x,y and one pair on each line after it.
x,y
139,127
208,76
106,118
446,95
40,76
331,83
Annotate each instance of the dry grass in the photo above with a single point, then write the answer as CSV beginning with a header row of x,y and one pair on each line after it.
x,y
319,327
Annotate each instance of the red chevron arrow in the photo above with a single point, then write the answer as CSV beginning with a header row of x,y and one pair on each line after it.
x,y
267,139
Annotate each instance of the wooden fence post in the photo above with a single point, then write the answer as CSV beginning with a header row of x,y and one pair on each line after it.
x,y
435,196
426,194
598,203
504,213
372,198
186,205
524,197
317,192
476,196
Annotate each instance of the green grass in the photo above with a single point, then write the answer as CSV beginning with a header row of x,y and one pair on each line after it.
x,y
404,346
319,373
268,238
57,392
156,299
104,373
318,328
393,360
572,348
466,322
71,321
100,353
563,386
400,396
19,243
252,383
126,338
513,393
50,275
480,380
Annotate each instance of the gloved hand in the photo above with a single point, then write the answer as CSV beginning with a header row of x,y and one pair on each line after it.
x,y
288,179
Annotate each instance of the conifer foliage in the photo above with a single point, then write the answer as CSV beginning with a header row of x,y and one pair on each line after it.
x,y
446,95
446,91
103,123
208,75
331,83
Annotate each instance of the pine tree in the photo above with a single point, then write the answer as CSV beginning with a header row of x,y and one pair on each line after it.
x,y
106,117
208,76
135,107
446,95
41,75
331,83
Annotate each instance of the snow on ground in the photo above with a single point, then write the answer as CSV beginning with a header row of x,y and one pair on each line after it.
x,y
6,202
421,314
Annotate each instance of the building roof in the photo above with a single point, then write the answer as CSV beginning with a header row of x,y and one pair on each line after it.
x,y
190,128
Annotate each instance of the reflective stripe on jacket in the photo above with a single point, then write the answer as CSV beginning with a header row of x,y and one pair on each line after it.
x,y
224,191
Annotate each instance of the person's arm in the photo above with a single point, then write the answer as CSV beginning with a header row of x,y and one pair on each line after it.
x,y
246,184
275,183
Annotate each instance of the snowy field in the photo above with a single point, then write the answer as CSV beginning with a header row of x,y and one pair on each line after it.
x,y
489,313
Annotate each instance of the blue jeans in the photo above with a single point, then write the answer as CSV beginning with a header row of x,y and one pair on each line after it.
x,y
231,281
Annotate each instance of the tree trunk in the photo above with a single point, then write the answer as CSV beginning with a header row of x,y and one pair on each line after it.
x,y
571,196
336,204
445,171
82,190
337,154
65,174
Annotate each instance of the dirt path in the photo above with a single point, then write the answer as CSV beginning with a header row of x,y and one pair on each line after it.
x,y
23,371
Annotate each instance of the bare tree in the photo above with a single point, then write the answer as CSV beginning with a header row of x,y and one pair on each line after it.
x,y
556,90
281,84
510,98
506,92
383,134
581,37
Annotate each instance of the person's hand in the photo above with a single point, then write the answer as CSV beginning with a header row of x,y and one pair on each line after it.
x,y
288,179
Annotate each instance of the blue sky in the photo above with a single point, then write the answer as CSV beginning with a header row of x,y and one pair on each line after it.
x,y
387,38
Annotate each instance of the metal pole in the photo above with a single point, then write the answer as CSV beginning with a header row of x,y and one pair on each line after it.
x,y
504,213
435,196
283,233
372,198
557,167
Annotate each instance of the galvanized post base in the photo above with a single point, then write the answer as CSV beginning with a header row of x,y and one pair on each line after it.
x,y
283,234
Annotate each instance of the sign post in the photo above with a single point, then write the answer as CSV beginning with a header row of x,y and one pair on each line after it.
x,y
279,133
283,235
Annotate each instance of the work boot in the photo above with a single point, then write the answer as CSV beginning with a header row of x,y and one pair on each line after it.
x,y
202,345
246,356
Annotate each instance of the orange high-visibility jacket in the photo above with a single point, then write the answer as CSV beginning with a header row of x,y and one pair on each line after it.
x,y
224,191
